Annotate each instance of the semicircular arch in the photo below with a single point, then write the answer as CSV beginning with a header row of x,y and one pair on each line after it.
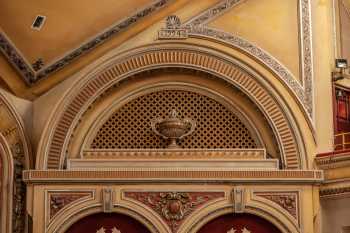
x,y
54,141
69,220
281,222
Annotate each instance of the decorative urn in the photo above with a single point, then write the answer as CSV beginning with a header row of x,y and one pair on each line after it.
x,y
173,128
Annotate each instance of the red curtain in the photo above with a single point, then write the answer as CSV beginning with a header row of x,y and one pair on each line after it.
x,y
107,223
236,223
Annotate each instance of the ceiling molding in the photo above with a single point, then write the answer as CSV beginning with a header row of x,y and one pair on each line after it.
x,y
31,73
303,90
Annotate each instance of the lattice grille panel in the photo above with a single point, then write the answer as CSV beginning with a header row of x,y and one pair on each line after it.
x,y
129,127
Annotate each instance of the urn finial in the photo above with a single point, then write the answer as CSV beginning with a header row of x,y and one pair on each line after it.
x,y
173,128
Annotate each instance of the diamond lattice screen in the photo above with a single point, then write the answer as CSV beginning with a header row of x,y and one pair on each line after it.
x,y
130,128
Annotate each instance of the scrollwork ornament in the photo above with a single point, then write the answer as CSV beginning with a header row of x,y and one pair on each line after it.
x,y
174,207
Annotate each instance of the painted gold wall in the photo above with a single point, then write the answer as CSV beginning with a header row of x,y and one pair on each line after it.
x,y
67,25
270,24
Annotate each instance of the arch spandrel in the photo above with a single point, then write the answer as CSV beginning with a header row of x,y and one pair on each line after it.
x,y
55,140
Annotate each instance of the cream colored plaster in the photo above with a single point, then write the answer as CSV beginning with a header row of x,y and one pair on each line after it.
x,y
68,23
44,106
270,24
24,108
337,173
335,215
323,66
259,206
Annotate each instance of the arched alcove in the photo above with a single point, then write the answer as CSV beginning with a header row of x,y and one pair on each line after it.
x,y
107,223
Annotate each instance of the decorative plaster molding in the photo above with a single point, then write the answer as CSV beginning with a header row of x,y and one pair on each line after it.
x,y
13,56
107,200
59,200
187,57
333,160
173,29
289,201
18,157
197,26
174,207
34,73
238,199
176,175
335,192
186,154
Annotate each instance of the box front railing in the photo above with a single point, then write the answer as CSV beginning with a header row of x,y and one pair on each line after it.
x,y
342,141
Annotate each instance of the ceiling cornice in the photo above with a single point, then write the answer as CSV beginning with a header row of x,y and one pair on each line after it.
x,y
32,73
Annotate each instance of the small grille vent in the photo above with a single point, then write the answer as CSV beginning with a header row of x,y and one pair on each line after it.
x,y
38,22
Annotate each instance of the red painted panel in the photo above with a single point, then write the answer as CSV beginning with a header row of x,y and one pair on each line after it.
x,y
237,223
341,109
94,223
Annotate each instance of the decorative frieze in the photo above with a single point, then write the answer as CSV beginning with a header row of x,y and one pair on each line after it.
x,y
175,175
58,200
289,201
335,192
174,207
183,154
333,160
16,59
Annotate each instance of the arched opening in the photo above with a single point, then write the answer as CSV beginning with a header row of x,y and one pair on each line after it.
x,y
239,223
108,223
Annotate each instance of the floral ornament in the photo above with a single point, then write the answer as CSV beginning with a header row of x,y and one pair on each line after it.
x,y
173,22
174,207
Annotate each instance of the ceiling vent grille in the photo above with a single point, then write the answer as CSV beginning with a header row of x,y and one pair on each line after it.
x,y
38,22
